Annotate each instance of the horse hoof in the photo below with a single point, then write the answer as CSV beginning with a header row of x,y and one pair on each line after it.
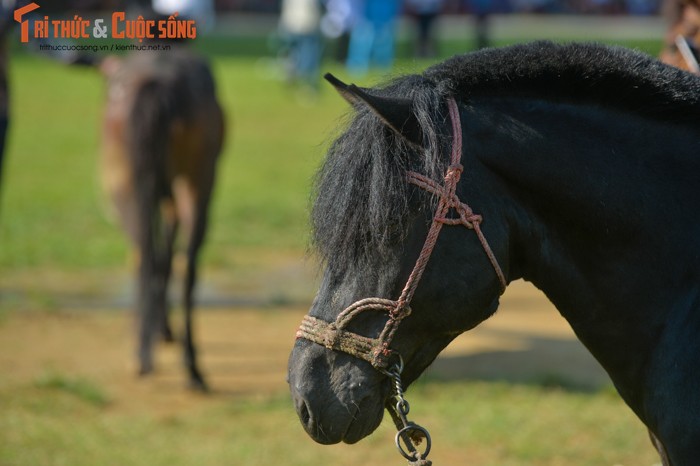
x,y
198,384
145,366
167,336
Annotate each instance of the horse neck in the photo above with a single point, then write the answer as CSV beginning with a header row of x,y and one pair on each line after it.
x,y
600,207
622,187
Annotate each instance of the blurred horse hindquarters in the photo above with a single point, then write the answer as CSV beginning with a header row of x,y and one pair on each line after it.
x,y
163,131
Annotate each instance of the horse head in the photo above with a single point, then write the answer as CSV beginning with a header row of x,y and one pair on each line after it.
x,y
386,190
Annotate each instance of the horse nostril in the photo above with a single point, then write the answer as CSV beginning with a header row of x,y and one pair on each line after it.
x,y
304,414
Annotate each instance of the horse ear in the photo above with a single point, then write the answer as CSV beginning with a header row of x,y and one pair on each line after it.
x,y
396,113
342,89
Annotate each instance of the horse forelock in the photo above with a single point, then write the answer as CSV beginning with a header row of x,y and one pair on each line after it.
x,y
361,194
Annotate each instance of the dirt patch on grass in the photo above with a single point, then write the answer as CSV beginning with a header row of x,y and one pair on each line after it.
x,y
244,352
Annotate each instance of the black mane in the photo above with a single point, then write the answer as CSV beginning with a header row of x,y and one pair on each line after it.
x,y
577,72
361,193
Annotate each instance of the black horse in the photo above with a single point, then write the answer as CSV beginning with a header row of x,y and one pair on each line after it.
x,y
581,160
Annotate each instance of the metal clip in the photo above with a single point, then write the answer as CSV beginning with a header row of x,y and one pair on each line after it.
x,y
411,433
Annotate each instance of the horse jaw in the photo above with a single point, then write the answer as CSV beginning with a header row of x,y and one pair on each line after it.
x,y
338,398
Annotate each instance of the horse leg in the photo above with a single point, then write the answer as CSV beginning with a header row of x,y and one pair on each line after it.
x,y
192,195
147,128
659,448
169,233
191,205
190,353
135,215
147,305
156,259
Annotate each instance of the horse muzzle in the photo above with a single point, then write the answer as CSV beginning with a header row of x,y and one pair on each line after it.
x,y
337,398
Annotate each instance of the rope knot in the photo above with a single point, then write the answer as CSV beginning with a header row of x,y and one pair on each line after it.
x,y
330,336
469,218
454,170
381,356
401,310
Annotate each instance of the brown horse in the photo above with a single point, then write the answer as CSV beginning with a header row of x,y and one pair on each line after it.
x,y
683,37
162,135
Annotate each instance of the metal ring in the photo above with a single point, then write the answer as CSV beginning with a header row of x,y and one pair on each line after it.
x,y
402,407
406,430
399,365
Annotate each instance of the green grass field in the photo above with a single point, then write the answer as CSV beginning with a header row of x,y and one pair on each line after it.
x,y
486,424
55,223
51,184
55,216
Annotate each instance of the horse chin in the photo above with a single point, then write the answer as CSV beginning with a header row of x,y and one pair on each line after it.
x,y
359,430
342,405
354,424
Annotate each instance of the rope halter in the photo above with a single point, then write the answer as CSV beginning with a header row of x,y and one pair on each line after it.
x,y
377,351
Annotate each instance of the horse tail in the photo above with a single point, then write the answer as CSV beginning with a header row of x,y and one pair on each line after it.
x,y
148,130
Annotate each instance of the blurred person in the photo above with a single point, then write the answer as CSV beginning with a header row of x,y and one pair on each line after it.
x,y
481,10
202,11
641,7
300,27
543,6
338,21
425,14
682,42
372,40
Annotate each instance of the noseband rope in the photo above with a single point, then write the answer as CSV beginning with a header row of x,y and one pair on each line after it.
x,y
377,351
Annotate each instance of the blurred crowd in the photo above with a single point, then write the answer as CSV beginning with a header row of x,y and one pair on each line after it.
x,y
364,30
449,6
